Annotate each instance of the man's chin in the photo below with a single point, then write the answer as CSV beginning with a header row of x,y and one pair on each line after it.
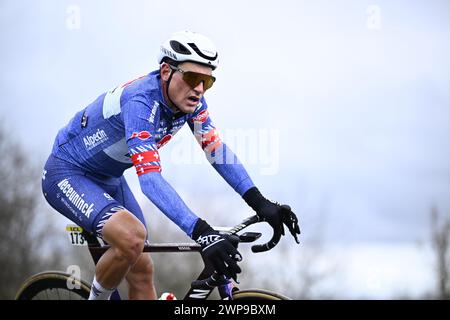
x,y
188,108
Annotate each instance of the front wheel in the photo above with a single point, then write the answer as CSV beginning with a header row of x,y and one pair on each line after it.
x,y
53,285
258,294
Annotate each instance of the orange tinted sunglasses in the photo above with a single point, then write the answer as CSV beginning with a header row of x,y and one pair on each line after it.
x,y
193,79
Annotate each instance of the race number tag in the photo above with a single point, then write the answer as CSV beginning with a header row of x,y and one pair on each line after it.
x,y
75,236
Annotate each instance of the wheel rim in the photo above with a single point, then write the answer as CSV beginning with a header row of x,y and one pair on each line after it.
x,y
53,286
258,294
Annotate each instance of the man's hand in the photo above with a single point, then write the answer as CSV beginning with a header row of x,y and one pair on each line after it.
x,y
217,249
291,221
276,215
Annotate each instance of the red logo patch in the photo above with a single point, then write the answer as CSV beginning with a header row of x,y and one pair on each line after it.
x,y
201,117
163,140
143,135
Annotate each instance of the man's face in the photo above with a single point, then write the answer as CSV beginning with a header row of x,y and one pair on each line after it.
x,y
185,97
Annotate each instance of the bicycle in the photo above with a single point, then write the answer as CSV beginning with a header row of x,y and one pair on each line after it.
x,y
53,285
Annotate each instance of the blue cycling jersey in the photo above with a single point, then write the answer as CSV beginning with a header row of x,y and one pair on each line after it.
x,y
126,126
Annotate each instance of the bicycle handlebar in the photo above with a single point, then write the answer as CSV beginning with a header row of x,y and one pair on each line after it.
x,y
256,219
216,279
212,281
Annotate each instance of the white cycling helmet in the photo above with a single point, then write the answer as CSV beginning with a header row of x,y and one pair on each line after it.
x,y
189,46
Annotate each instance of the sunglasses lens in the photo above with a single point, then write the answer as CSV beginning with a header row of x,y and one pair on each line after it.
x,y
194,78
191,78
209,82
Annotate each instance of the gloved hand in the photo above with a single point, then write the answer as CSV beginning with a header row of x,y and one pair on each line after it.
x,y
276,215
217,249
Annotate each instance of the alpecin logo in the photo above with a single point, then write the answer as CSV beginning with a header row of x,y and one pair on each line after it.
x,y
95,139
75,198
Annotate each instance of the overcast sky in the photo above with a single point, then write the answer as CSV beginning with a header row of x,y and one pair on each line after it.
x,y
343,107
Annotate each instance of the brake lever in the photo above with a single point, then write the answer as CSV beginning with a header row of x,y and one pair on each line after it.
x,y
212,281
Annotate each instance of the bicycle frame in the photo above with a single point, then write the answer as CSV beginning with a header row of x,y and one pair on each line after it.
x,y
97,251
202,292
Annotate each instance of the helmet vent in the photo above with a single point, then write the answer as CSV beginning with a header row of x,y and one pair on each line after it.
x,y
179,48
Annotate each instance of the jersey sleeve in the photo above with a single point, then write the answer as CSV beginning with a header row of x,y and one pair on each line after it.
x,y
221,157
140,138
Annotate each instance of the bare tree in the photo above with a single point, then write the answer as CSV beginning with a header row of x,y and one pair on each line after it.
x,y
440,233
22,231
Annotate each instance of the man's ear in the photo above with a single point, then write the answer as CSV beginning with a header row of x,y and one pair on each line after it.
x,y
165,71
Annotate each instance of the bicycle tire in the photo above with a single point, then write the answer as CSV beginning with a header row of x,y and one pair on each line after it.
x,y
258,294
52,285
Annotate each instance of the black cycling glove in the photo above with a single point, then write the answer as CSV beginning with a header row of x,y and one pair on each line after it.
x,y
217,249
276,215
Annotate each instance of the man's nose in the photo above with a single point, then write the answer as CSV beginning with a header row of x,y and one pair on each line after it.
x,y
200,88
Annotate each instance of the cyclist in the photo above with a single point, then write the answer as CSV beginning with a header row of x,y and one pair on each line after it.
x,y
125,127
